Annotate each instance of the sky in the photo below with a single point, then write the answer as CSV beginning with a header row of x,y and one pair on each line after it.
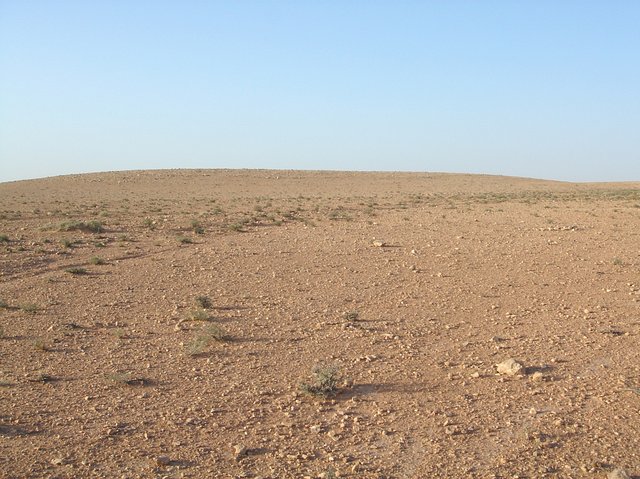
x,y
543,89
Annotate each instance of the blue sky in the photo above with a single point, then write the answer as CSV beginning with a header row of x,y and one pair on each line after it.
x,y
547,89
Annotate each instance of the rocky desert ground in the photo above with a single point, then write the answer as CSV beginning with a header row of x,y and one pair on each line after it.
x,y
286,324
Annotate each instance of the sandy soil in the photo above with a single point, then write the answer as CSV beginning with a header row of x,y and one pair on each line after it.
x,y
412,287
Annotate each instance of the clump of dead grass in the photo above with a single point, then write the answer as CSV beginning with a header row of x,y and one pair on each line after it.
x,y
205,337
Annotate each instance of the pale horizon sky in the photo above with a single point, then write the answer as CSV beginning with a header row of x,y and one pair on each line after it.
x,y
542,89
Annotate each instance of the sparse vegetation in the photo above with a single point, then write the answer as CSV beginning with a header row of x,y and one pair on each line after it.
x,y
126,379
41,345
339,214
120,333
77,271
235,227
205,337
185,240
351,315
618,261
96,260
92,226
197,227
29,308
149,223
325,381
204,302
119,378
4,238
329,474
4,304
67,243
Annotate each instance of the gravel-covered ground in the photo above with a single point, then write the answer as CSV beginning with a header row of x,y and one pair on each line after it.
x,y
168,324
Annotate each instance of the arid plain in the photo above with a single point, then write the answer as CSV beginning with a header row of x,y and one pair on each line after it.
x,y
167,324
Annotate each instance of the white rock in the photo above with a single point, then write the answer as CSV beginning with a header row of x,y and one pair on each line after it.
x,y
618,474
510,367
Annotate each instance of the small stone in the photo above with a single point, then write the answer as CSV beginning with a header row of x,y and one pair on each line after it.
x,y
378,243
239,451
475,375
315,428
452,430
537,376
58,461
163,460
510,367
618,474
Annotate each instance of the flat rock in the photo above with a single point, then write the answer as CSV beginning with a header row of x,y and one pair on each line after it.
x,y
618,474
510,367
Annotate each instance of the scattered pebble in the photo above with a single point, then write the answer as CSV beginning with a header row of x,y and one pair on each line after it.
x,y
163,460
378,243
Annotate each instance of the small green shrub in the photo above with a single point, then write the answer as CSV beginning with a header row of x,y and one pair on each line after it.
x,y
197,227
41,345
97,260
204,338
4,238
77,271
235,227
325,381
149,223
120,333
92,226
29,308
185,240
